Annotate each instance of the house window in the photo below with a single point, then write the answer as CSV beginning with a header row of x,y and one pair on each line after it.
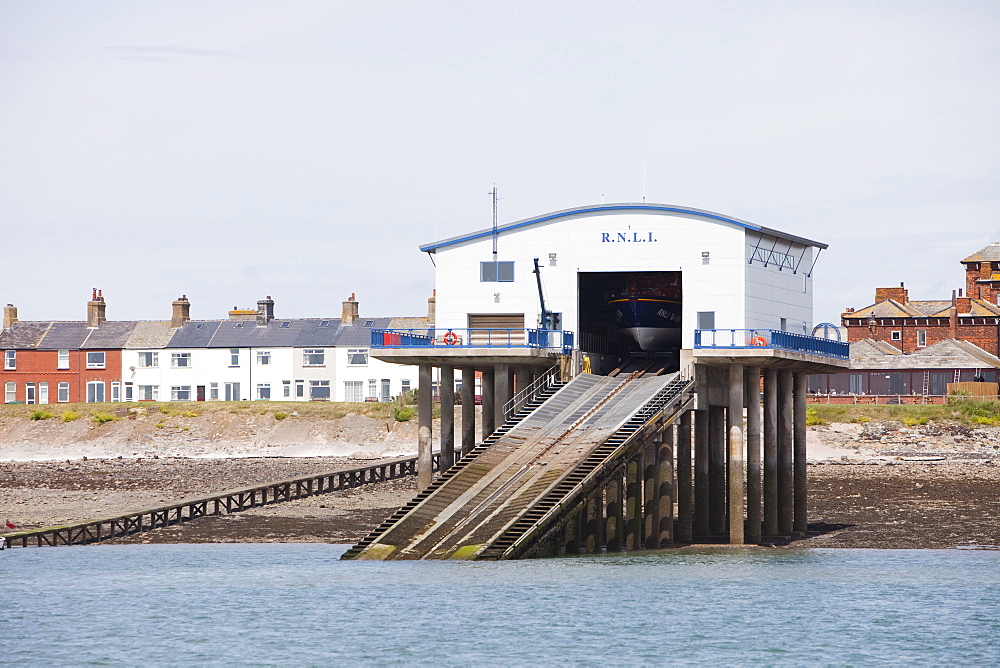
x,y
148,360
263,357
213,392
263,391
95,391
784,325
95,360
324,323
43,393
921,338
10,359
286,389
180,360
128,392
313,357
63,360
232,391
493,272
234,357
372,389
353,390
404,386
180,393
896,335
300,388
116,389
148,392
319,390
10,393
357,356
706,319
29,393
62,393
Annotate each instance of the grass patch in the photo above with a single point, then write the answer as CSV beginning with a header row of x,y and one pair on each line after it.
x,y
101,417
280,416
403,413
70,416
40,415
813,418
964,411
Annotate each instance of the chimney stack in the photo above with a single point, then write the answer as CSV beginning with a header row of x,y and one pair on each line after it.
x,y
350,312
432,308
9,315
900,294
95,309
265,311
181,311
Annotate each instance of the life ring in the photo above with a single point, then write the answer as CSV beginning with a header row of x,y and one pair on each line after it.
x,y
451,338
758,341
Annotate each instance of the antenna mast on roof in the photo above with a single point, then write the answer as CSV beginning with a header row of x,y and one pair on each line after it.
x,y
496,232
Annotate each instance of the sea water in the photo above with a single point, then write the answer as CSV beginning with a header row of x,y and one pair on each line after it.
x,y
297,604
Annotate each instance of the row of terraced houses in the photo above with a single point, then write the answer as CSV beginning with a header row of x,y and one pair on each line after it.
x,y
251,355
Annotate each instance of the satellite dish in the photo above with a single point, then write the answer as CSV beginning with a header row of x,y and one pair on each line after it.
x,y
131,368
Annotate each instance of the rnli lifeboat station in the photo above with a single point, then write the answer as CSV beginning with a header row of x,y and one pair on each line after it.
x,y
642,372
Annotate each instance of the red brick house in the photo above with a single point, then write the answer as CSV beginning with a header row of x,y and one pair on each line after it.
x,y
62,362
972,315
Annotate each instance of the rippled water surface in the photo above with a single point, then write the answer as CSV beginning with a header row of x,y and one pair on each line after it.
x,y
297,604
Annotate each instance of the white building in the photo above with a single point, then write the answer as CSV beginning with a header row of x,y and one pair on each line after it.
x,y
731,274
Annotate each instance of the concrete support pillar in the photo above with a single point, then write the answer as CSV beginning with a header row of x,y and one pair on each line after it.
x,y
701,487
801,493
425,407
717,470
770,453
447,417
488,404
573,531
650,495
614,516
734,470
522,378
685,480
664,497
633,503
752,402
593,534
502,392
468,409
786,435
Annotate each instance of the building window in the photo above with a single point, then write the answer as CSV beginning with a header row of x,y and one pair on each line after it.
x,y
10,359
404,386
63,360
116,389
357,356
148,360
180,393
95,360
10,393
234,357
213,391
300,388
706,319
263,391
896,335
263,357
148,392
784,325
494,272
372,389
95,391
286,389
128,392
319,390
921,338
62,393
353,390
232,391
29,393
313,357
43,393
180,360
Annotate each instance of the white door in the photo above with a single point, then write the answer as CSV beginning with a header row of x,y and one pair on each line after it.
x,y
43,393
29,393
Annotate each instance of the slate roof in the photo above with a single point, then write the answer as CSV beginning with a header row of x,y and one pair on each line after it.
x,y
868,354
43,335
989,254
890,308
23,335
297,333
150,334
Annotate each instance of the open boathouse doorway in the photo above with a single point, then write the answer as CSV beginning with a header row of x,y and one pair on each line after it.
x,y
629,314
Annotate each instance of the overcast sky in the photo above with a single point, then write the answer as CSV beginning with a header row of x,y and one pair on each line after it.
x,y
232,150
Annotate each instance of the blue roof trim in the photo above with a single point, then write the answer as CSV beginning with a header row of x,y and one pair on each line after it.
x,y
429,248
590,209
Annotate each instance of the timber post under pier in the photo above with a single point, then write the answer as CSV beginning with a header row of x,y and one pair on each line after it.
x,y
721,461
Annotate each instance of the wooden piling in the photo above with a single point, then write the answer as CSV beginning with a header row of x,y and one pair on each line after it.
x,y
685,480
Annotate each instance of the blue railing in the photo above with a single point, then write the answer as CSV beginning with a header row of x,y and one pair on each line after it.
x,y
478,337
770,338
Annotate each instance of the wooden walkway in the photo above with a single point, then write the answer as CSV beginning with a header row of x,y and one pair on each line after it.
x,y
232,501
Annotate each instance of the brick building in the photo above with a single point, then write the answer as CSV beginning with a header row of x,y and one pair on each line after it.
x,y
971,314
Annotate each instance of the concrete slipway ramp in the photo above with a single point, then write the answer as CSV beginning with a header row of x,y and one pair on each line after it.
x,y
511,492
